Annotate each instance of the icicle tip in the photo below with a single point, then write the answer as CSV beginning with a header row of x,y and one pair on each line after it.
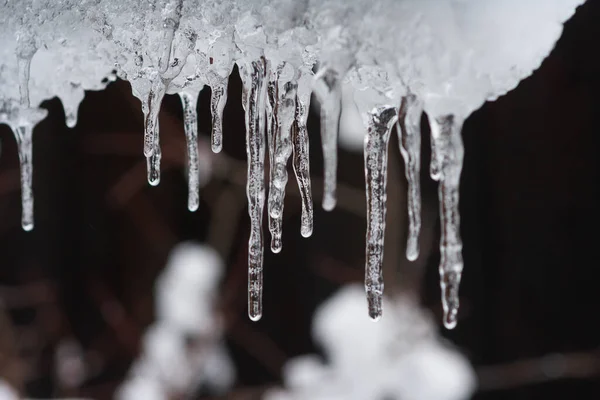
x,y
329,203
306,231
254,316
450,319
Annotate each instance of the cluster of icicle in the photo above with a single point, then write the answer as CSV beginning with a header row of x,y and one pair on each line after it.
x,y
402,58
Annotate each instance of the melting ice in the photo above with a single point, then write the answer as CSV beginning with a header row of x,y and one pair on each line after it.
x,y
400,57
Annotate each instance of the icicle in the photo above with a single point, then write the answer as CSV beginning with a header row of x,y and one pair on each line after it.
x,y
71,119
23,135
300,147
448,157
218,99
253,97
281,147
170,24
24,131
151,109
380,124
409,138
153,167
435,169
327,89
190,122
275,224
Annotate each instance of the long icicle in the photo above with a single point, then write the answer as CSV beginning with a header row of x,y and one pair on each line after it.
x,y
328,90
23,135
275,224
409,139
190,124
448,155
151,109
380,124
253,96
218,99
285,111
300,149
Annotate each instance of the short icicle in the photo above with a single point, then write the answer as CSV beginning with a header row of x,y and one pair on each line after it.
x,y
253,97
151,109
285,109
448,156
327,89
380,123
300,150
218,99
190,122
24,66
409,139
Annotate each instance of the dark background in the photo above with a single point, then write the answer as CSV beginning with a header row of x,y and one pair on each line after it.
x,y
529,206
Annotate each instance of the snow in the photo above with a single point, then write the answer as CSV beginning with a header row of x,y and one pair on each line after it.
x,y
400,357
184,346
7,392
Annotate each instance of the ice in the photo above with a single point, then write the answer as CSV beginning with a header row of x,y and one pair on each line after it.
x,y
23,135
217,77
450,56
254,87
282,97
448,156
190,122
409,139
151,100
380,124
218,98
327,89
300,151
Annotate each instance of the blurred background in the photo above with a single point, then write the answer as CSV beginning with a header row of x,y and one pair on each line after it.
x,y
79,294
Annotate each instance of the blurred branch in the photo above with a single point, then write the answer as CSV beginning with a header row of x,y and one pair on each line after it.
x,y
115,316
28,295
581,365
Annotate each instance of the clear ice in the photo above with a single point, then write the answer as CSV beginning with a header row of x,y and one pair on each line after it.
x,y
190,125
253,75
381,121
300,150
327,89
282,99
151,102
218,99
448,157
23,135
453,55
409,139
